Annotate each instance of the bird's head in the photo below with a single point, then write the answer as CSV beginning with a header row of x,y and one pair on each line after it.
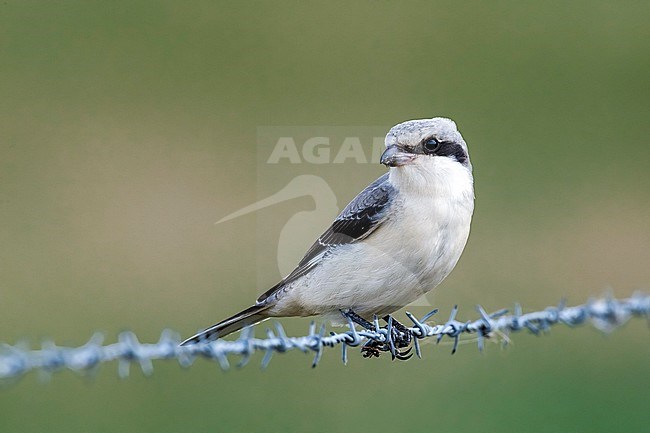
x,y
429,156
423,141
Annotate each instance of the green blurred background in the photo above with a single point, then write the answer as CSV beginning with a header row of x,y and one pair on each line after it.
x,y
128,128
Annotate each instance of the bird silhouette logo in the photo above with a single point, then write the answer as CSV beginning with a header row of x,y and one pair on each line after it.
x,y
297,233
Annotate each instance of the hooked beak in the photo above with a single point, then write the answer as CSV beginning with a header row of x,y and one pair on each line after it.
x,y
394,157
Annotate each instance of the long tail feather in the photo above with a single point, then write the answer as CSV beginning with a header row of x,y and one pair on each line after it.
x,y
249,316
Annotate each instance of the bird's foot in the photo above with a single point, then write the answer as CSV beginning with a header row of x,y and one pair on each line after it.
x,y
400,337
350,314
374,348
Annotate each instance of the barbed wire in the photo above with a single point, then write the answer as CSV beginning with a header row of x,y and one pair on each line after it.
x,y
605,314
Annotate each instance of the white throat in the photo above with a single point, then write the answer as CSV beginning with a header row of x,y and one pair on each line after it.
x,y
440,177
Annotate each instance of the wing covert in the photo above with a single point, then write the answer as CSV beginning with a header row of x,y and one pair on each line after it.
x,y
357,221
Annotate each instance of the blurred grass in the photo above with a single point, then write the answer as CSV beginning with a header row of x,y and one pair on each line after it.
x,y
128,128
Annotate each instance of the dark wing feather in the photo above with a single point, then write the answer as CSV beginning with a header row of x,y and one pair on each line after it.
x,y
357,221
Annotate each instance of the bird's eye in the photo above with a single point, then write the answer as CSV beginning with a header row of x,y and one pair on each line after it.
x,y
431,145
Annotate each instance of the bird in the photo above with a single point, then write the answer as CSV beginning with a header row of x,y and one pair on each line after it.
x,y
396,240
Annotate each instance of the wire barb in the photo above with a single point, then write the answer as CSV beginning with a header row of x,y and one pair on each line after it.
x,y
604,314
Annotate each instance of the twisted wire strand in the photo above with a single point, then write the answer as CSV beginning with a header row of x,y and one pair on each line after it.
x,y
604,314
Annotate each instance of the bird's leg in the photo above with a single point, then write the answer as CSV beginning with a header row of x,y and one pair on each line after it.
x,y
402,335
358,319
372,348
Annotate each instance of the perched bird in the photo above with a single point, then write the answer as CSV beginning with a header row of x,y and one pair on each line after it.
x,y
396,240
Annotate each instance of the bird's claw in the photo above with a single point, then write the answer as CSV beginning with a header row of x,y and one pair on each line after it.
x,y
373,349
401,337
404,355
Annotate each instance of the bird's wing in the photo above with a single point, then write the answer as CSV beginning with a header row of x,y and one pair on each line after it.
x,y
357,221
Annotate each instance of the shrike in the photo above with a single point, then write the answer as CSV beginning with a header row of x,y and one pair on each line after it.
x,y
398,239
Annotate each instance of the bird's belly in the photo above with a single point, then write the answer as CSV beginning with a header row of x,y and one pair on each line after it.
x,y
382,273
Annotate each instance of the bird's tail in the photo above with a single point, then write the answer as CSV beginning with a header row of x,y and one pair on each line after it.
x,y
249,316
